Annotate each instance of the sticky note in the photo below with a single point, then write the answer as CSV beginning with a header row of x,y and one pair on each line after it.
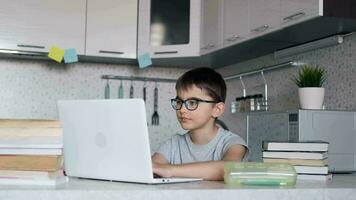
x,y
56,53
144,60
70,56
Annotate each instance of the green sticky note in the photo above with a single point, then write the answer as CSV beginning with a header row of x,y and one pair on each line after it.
x,y
56,53
144,60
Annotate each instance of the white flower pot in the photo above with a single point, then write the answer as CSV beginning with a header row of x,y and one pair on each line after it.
x,y
311,97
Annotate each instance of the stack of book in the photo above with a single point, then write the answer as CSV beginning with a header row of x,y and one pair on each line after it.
x,y
308,158
31,152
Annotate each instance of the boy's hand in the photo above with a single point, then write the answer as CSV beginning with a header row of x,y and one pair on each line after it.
x,y
163,170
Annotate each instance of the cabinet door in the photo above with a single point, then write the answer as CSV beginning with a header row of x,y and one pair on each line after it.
x,y
111,28
295,11
236,22
169,28
36,25
211,26
264,16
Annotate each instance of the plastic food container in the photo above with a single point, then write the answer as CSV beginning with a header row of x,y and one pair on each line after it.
x,y
254,173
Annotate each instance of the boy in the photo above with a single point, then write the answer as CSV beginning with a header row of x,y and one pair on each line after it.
x,y
204,149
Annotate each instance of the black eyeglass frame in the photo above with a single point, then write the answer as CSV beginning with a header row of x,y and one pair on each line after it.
x,y
190,99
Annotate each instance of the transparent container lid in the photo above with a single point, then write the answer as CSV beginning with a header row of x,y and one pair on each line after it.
x,y
255,173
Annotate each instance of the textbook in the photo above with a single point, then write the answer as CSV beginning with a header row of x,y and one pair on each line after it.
x,y
31,151
29,123
296,146
34,175
30,132
31,162
31,138
294,155
311,170
33,182
305,162
313,177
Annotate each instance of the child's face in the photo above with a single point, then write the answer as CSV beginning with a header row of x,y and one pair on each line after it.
x,y
200,117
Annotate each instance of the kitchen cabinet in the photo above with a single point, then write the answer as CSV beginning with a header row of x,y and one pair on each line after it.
x,y
36,25
235,21
111,28
169,28
264,16
211,26
293,12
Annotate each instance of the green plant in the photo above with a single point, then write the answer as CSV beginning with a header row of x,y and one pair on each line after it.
x,y
310,76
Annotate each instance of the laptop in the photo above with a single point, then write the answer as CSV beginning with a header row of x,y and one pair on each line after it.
x,y
108,140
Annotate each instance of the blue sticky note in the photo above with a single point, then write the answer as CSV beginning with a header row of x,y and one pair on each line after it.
x,y
70,56
144,60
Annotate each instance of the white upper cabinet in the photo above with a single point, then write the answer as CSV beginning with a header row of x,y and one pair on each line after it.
x,y
295,11
111,28
36,25
264,16
169,28
211,26
235,21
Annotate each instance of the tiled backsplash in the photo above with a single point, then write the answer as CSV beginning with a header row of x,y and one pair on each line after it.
x,y
31,88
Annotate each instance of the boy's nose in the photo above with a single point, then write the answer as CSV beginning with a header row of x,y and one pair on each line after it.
x,y
183,109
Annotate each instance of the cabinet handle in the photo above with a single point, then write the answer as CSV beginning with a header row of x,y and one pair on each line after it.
x,y
211,46
261,28
205,48
165,52
111,52
233,38
30,46
294,16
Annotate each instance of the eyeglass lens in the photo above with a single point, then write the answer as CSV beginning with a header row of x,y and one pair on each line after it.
x,y
190,104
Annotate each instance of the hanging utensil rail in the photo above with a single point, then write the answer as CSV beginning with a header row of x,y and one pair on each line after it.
x,y
264,69
136,78
251,103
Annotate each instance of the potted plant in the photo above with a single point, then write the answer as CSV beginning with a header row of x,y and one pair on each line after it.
x,y
310,81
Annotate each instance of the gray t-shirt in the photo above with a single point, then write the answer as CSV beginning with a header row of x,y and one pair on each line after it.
x,y
180,148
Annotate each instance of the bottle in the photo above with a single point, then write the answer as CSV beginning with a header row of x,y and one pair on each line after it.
x,y
121,91
107,90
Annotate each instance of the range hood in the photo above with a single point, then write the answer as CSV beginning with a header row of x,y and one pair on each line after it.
x,y
339,18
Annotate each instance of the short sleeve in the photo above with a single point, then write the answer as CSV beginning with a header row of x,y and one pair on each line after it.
x,y
235,139
166,150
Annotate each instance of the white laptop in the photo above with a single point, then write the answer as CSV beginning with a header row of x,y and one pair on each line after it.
x,y
108,139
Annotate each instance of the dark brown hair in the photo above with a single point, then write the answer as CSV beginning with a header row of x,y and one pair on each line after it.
x,y
206,79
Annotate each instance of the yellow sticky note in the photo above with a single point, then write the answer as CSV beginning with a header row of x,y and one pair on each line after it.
x,y
56,53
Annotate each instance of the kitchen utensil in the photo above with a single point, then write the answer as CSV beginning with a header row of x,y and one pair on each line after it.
x,y
121,91
131,91
144,91
107,90
155,116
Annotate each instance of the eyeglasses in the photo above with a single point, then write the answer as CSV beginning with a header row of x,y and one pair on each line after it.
x,y
190,104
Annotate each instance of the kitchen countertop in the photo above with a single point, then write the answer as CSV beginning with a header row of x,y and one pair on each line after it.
x,y
341,187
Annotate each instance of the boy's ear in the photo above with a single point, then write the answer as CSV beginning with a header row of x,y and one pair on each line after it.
x,y
218,109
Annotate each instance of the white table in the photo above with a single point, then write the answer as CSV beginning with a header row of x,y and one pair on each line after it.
x,y
342,187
